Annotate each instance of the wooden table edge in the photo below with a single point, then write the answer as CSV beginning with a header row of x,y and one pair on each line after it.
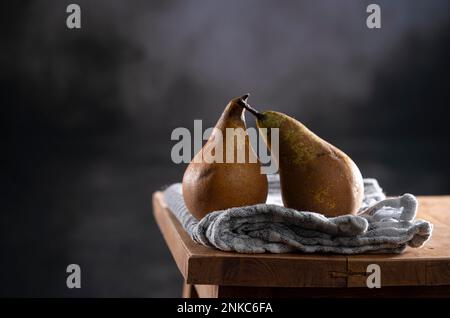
x,y
187,260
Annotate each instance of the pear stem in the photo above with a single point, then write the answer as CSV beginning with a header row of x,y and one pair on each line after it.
x,y
253,111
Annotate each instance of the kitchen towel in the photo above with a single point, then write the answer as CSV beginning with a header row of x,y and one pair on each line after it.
x,y
383,225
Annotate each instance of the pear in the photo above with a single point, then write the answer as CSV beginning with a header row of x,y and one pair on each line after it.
x,y
314,175
213,185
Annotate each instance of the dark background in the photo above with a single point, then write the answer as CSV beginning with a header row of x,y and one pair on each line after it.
x,y
87,116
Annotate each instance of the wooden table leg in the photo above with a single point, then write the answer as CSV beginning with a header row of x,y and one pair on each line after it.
x,y
189,291
207,291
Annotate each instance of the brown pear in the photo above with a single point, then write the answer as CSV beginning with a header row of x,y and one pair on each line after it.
x,y
234,178
314,175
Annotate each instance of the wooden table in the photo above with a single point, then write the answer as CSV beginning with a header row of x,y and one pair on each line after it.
x,y
209,272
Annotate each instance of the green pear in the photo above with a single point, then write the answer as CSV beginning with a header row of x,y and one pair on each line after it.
x,y
314,175
228,182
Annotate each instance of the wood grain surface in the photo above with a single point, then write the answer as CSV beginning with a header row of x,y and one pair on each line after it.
x,y
200,265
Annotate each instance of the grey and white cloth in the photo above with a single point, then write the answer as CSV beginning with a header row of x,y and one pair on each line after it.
x,y
383,225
